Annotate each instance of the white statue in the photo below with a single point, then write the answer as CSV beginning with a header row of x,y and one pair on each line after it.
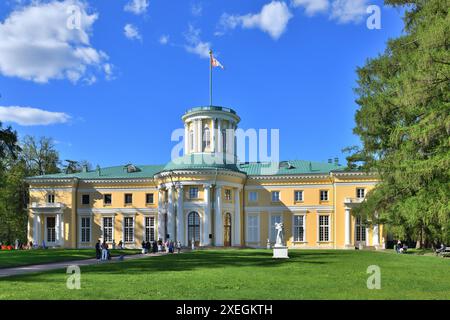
x,y
280,234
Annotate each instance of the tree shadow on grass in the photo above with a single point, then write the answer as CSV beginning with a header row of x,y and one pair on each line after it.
x,y
192,261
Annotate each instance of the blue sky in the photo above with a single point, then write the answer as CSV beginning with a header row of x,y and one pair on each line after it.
x,y
111,99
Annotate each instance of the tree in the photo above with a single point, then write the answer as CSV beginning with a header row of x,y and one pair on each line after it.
x,y
404,125
40,156
8,142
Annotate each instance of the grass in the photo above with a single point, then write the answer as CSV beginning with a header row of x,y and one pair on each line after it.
x,y
245,274
17,258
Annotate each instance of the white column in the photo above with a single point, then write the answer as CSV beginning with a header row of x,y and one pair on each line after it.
x,y
58,229
367,236
219,136
218,222
36,229
237,217
213,135
186,139
348,222
180,215
207,216
171,215
161,227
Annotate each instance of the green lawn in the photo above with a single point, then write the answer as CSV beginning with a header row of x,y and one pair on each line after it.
x,y
15,258
245,274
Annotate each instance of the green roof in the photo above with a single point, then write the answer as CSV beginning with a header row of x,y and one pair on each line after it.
x,y
202,162
119,172
288,168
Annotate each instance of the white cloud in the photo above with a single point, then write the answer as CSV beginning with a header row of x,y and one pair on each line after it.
x,y
195,44
137,6
38,43
345,11
273,19
164,39
27,116
312,6
197,9
132,32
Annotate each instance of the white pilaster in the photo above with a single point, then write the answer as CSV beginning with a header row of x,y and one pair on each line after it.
x,y
161,227
213,135
199,136
180,215
186,139
207,216
348,222
171,215
218,222
36,229
237,217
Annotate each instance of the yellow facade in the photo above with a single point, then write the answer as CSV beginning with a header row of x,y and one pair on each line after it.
x,y
210,205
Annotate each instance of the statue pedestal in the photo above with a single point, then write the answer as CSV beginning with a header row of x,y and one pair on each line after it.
x,y
280,252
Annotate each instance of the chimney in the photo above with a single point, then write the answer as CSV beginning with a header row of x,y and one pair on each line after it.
x,y
85,168
336,161
330,160
99,171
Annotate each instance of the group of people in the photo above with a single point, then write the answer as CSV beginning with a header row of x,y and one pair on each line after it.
x,y
400,247
160,246
102,251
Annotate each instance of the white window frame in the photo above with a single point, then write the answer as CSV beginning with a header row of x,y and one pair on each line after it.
x,y
327,192
257,227
272,194
328,226
358,196
190,193
125,228
47,241
206,139
89,229
295,195
112,231
149,227
51,198
360,231
153,198
255,193
294,227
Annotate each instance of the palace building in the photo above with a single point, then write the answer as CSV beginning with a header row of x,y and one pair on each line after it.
x,y
213,203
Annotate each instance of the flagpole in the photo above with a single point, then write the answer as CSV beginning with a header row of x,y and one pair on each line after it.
x,y
210,79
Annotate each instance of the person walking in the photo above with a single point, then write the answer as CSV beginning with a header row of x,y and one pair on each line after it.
x,y
98,251
104,251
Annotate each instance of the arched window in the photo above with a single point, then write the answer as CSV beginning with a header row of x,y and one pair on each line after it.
x,y
191,140
194,228
206,138
224,141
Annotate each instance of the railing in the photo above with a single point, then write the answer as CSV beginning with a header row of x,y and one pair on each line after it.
x,y
211,108
353,200
55,205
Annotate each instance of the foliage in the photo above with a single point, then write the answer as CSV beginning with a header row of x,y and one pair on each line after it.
x,y
404,125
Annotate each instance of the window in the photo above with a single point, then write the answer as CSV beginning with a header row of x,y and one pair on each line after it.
x,y
275,196
51,229
149,198
149,229
193,193
273,232
191,140
206,138
253,196
323,195
252,229
128,198
360,230
360,193
85,199
107,199
227,194
324,228
298,196
128,229
193,227
50,198
299,228
108,229
224,141
85,229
